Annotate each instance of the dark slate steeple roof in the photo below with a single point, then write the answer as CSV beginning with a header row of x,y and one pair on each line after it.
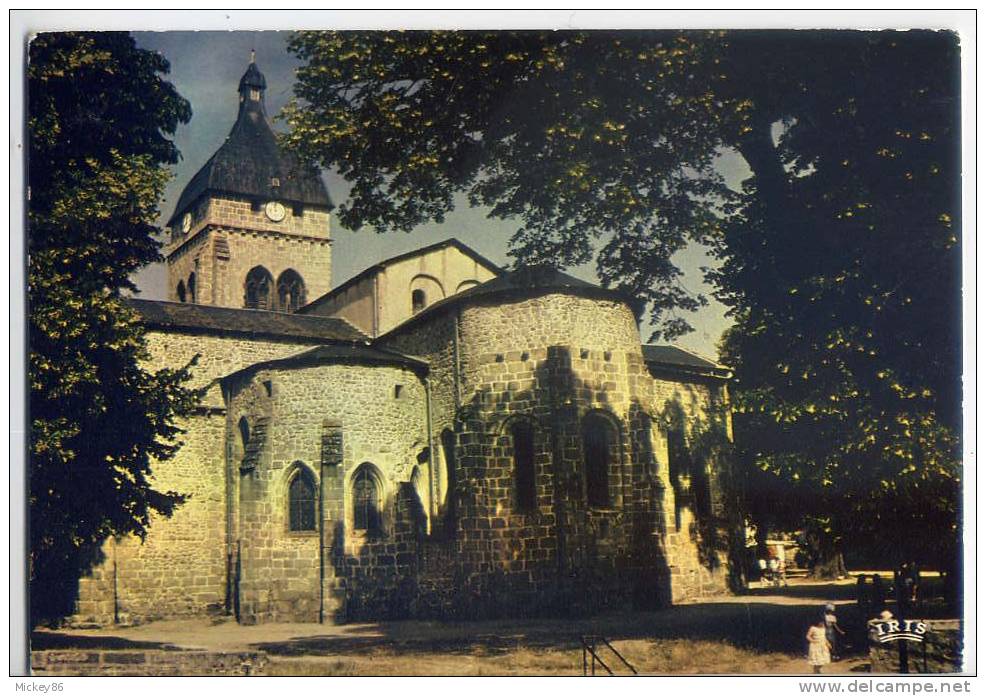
x,y
253,77
250,160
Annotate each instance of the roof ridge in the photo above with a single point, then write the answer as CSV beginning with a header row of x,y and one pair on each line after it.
x,y
333,351
451,241
698,355
501,285
243,320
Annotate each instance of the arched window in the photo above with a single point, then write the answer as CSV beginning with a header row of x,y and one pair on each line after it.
x,y
525,484
259,284
425,290
244,427
191,288
466,284
366,501
598,439
301,501
290,291
181,291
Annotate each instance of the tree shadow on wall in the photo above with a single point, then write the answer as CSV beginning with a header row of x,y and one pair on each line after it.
x,y
378,582
691,456
599,560
54,589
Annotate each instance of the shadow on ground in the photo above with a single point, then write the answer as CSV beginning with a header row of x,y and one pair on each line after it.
x,y
767,621
757,626
820,592
53,640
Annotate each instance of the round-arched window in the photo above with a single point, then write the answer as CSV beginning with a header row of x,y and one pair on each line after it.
x,y
301,501
366,501
258,287
290,291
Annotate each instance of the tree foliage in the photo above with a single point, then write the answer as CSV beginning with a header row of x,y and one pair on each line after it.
x,y
98,118
584,138
845,284
838,260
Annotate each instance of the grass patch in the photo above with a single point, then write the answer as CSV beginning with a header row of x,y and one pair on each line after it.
x,y
310,667
647,656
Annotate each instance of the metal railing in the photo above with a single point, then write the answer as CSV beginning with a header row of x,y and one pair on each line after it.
x,y
590,656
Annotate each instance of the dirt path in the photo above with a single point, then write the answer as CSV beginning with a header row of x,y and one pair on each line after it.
x,y
762,632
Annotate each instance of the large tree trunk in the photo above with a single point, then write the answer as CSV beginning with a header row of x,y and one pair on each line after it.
x,y
829,565
757,148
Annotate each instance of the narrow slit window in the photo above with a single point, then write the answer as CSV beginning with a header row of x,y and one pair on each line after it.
x,y
597,440
525,480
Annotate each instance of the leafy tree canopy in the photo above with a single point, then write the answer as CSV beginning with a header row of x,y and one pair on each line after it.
x,y
846,289
98,121
579,136
839,259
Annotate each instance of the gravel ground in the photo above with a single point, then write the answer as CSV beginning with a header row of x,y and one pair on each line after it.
x,y
762,632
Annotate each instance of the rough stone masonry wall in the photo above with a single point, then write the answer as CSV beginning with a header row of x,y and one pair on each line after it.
x,y
434,341
180,569
195,257
279,569
234,238
146,663
554,359
310,258
693,543
939,653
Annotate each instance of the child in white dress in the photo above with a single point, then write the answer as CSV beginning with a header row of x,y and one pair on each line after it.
x,y
819,650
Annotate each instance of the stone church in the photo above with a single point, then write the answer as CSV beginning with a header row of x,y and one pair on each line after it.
x,y
435,437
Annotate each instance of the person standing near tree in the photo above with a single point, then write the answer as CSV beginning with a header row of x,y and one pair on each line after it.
x,y
878,594
913,582
781,567
862,595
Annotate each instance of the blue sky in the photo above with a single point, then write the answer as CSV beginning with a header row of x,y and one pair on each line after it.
x,y
206,67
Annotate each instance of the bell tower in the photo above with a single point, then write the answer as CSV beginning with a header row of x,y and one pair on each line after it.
x,y
251,228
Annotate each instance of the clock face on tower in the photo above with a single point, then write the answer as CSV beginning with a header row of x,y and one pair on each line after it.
x,y
274,210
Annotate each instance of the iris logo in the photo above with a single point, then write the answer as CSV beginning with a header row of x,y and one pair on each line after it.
x,y
892,629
